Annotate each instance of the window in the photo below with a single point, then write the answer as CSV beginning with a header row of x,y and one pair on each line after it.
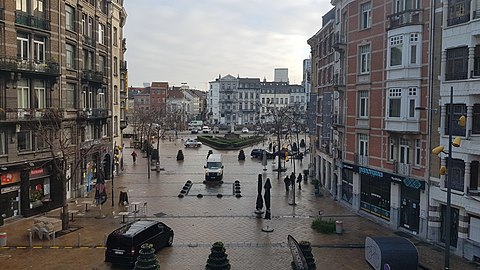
x,y
101,33
115,125
23,49
457,64
69,18
39,50
458,110
115,94
115,66
23,94
24,141
396,44
40,143
418,152
395,102
364,59
38,8
22,5
84,24
363,104
102,67
70,56
87,60
476,119
101,99
40,94
403,5
412,101
458,11
414,48
391,148
363,144
474,229
71,93
90,27
404,152
366,19
115,36
3,143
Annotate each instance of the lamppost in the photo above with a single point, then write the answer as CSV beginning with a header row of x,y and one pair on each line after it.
x,y
440,149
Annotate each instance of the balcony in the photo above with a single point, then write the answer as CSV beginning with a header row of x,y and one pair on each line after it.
x,y
88,40
337,120
339,42
405,18
402,125
338,81
124,45
29,114
99,112
32,21
123,66
12,64
361,160
402,168
92,75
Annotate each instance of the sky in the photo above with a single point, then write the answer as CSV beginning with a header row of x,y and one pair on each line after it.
x,y
195,41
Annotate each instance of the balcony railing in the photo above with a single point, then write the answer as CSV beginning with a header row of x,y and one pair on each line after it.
x,y
339,42
27,114
456,76
404,18
124,44
99,112
12,64
123,65
361,160
92,75
458,20
402,168
30,20
338,80
337,120
88,40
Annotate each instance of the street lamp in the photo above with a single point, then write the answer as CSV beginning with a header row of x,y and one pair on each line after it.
x,y
440,149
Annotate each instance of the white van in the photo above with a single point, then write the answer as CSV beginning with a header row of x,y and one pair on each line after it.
x,y
205,129
214,167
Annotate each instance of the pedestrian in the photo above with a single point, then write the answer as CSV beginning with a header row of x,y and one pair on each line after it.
x,y
134,156
292,179
270,147
299,181
287,183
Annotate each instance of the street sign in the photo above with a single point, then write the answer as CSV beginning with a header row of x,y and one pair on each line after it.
x,y
297,254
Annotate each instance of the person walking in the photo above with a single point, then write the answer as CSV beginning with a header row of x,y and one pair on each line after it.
x,y
292,179
134,156
299,181
287,183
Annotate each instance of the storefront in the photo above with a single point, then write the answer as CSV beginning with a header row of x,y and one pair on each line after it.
x,y
376,194
9,195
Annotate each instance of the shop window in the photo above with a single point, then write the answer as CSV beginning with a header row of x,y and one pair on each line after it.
x,y
39,192
454,219
3,143
474,229
347,186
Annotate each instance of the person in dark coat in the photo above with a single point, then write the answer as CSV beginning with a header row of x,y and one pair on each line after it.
x,y
292,179
287,183
299,181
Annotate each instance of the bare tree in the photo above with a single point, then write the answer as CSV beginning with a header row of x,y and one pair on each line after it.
x,y
60,136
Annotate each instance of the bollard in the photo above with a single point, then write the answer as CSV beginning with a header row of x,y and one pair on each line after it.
x,y
105,239
78,239
338,227
30,238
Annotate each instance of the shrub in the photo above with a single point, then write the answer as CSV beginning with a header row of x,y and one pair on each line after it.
x,y
323,226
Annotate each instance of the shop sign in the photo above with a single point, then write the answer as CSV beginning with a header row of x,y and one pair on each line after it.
x,y
297,254
407,181
10,178
38,173
10,189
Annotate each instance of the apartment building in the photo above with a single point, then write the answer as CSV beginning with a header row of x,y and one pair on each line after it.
x,y
460,80
370,70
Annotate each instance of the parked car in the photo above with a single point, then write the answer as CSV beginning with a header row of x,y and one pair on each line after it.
x,y
124,243
192,143
258,153
244,130
206,129
194,130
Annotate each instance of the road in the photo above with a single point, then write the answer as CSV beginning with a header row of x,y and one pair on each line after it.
x,y
199,222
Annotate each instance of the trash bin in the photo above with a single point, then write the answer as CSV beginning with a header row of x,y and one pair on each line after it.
x,y
3,239
338,227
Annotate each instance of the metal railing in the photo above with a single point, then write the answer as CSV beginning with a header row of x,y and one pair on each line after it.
x,y
92,75
458,19
27,114
31,20
361,160
89,40
12,64
404,18
402,168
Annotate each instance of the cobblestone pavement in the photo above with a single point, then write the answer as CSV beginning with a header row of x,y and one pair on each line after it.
x,y
198,222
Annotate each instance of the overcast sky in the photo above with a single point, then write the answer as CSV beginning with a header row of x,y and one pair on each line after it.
x,y
193,41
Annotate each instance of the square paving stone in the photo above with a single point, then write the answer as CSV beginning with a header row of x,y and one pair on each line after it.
x,y
226,189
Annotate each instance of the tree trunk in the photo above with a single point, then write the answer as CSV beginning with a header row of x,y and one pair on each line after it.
x,y
64,212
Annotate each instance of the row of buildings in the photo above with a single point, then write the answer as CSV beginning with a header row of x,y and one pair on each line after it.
x,y
63,97
235,101
382,73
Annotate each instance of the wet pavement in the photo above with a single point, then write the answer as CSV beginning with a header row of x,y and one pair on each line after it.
x,y
199,222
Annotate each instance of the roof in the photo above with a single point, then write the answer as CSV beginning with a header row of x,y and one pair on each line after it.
x,y
135,227
159,84
175,93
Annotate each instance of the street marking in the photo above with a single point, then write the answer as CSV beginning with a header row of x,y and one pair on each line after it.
x,y
37,247
55,247
21,247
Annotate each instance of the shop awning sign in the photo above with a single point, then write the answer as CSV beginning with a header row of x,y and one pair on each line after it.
x,y
297,254
10,178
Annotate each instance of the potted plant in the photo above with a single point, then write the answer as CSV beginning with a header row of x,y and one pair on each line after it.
x,y
241,155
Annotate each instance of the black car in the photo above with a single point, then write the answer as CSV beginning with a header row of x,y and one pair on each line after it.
x,y
124,243
258,153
